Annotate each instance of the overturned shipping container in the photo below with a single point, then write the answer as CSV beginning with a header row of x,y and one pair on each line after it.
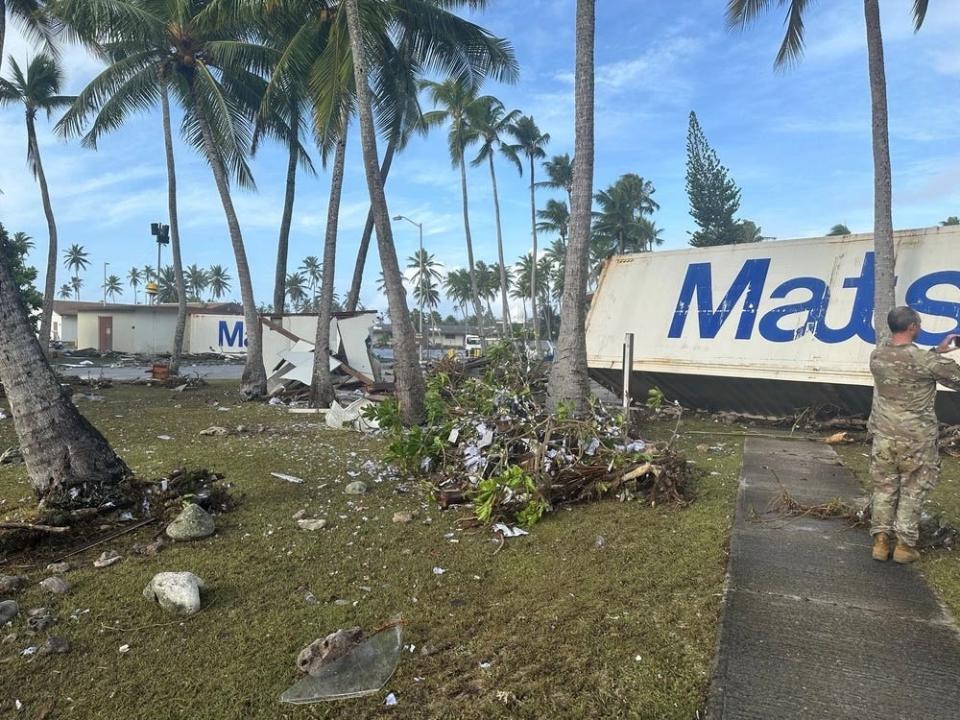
x,y
767,328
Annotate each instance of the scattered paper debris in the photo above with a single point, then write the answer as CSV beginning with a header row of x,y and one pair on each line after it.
x,y
509,532
289,478
439,571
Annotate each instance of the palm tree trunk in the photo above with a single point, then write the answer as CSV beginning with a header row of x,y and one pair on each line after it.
x,y
321,392
69,462
548,312
50,281
409,377
283,243
253,381
474,288
174,231
353,297
533,270
885,252
3,28
569,381
503,267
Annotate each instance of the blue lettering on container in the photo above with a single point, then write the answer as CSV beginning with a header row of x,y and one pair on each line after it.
x,y
231,338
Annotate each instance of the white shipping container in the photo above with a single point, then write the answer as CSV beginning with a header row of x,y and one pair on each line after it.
x,y
768,327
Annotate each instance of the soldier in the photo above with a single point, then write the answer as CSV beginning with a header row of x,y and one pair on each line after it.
x,y
905,462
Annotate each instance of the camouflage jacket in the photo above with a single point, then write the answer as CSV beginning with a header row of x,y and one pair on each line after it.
x,y
905,387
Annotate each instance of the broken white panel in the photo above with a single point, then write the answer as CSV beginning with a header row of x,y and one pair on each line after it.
x,y
354,333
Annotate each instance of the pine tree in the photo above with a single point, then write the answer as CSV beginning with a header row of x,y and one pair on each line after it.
x,y
714,196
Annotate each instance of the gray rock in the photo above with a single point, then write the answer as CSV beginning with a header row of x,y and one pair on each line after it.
x,y
191,524
107,558
357,487
59,568
54,646
325,650
12,583
56,585
8,611
312,523
177,592
38,619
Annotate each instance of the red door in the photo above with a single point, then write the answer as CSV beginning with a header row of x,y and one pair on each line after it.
x,y
106,334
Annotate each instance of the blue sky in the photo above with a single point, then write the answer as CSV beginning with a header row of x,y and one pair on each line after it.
x,y
797,142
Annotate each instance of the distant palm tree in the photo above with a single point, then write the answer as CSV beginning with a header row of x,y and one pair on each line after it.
x,y
66,291
312,267
113,286
75,259
76,282
197,280
458,289
622,207
555,217
490,120
296,289
839,229
219,281
557,255
952,220
167,285
134,278
455,97
531,142
38,90
559,171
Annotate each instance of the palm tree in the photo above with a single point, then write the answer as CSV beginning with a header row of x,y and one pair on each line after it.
x,y
75,259
135,279
555,217
312,267
557,255
167,290
425,272
559,171
295,290
455,97
113,286
32,18
952,220
569,382
219,281
66,291
838,229
76,282
622,207
38,90
203,56
457,287
489,121
739,14
530,142
197,280
69,463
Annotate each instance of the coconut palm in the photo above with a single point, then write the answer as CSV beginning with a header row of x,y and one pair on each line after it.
x,y
134,279
569,382
197,280
740,13
557,255
530,142
75,259
76,282
113,286
489,120
312,267
295,290
455,96
167,291
555,218
192,50
622,209
457,287
66,291
69,463
30,16
559,171
219,281
38,90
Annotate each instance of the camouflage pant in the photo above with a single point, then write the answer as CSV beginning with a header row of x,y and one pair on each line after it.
x,y
903,472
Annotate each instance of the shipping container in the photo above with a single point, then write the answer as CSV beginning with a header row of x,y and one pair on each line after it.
x,y
767,328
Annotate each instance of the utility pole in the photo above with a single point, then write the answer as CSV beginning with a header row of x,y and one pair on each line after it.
x,y
162,233
420,257
105,282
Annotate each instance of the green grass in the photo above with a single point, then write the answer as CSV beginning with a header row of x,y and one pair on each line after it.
x,y
941,567
569,630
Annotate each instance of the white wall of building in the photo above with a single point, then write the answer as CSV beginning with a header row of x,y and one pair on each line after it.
x,y
144,330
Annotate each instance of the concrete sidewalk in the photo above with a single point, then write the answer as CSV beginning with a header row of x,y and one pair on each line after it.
x,y
812,627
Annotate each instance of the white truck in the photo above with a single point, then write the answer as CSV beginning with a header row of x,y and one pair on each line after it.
x,y
767,328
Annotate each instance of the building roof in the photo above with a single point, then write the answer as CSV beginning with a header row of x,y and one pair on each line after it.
x,y
72,307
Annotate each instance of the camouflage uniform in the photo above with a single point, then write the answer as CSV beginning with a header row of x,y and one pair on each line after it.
x,y
905,462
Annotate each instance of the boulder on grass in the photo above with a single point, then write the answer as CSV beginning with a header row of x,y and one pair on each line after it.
x,y
192,523
176,592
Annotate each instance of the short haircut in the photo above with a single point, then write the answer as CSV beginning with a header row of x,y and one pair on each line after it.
x,y
901,318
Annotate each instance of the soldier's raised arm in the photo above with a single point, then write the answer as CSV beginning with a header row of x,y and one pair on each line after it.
x,y
945,369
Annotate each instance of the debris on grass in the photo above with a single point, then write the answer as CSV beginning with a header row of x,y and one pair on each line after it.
x,y
489,441
11,456
289,478
363,667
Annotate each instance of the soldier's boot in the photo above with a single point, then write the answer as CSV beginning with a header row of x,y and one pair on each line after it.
x,y
904,554
881,547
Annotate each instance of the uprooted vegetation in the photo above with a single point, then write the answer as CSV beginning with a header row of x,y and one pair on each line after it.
x,y
489,440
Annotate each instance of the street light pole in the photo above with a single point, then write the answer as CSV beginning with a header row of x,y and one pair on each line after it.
x,y
420,256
